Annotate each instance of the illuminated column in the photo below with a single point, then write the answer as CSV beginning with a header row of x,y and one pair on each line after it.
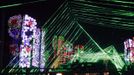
x,y
36,47
129,50
14,24
42,56
28,25
126,51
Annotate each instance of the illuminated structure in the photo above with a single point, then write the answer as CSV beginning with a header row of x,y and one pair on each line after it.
x,y
27,36
60,45
64,52
42,55
14,24
29,48
110,54
67,52
66,21
129,50
62,23
27,42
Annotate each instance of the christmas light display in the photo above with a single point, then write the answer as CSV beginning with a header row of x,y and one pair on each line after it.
x,y
15,21
129,50
14,33
67,52
13,49
36,47
65,24
42,55
14,24
60,44
26,41
28,26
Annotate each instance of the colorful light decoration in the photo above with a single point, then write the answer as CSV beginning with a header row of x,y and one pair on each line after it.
x,y
14,33
60,44
31,49
14,24
62,48
15,21
42,59
129,50
67,52
13,49
36,47
28,35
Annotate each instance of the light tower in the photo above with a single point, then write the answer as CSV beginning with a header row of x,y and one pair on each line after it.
x,y
129,50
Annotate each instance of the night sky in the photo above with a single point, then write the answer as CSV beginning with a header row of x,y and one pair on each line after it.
x,y
106,36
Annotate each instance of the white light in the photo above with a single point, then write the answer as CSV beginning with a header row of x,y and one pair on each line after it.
x,y
58,73
25,56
